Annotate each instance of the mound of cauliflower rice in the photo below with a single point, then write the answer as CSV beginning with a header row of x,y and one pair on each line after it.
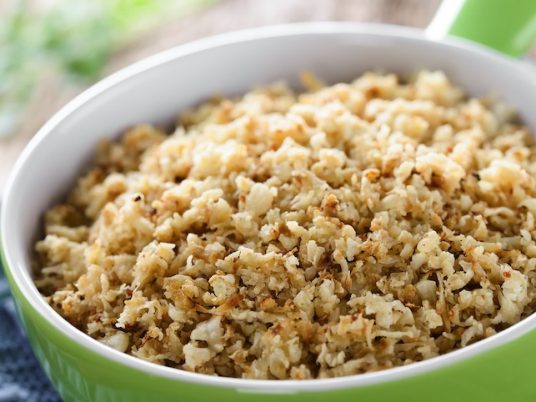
x,y
347,229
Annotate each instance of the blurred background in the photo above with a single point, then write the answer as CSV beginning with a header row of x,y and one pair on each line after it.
x,y
51,50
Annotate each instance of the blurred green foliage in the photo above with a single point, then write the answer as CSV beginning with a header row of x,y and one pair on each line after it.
x,y
74,38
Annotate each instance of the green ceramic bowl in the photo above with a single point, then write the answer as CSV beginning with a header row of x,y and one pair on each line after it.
x,y
498,368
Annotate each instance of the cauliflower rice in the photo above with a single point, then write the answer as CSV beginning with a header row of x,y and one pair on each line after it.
x,y
348,229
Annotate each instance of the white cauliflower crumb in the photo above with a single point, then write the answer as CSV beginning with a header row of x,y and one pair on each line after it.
x,y
283,235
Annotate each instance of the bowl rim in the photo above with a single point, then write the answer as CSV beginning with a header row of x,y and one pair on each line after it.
x,y
21,278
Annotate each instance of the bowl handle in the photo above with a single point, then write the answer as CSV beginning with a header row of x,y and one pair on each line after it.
x,y
506,26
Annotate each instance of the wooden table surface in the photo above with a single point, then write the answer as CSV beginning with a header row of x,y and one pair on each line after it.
x,y
224,16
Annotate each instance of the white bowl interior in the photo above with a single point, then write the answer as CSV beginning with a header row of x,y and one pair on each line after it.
x,y
156,89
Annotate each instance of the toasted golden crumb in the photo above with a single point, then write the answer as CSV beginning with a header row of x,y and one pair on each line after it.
x,y
351,228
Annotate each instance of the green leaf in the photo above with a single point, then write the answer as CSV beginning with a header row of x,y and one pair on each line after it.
x,y
76,38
